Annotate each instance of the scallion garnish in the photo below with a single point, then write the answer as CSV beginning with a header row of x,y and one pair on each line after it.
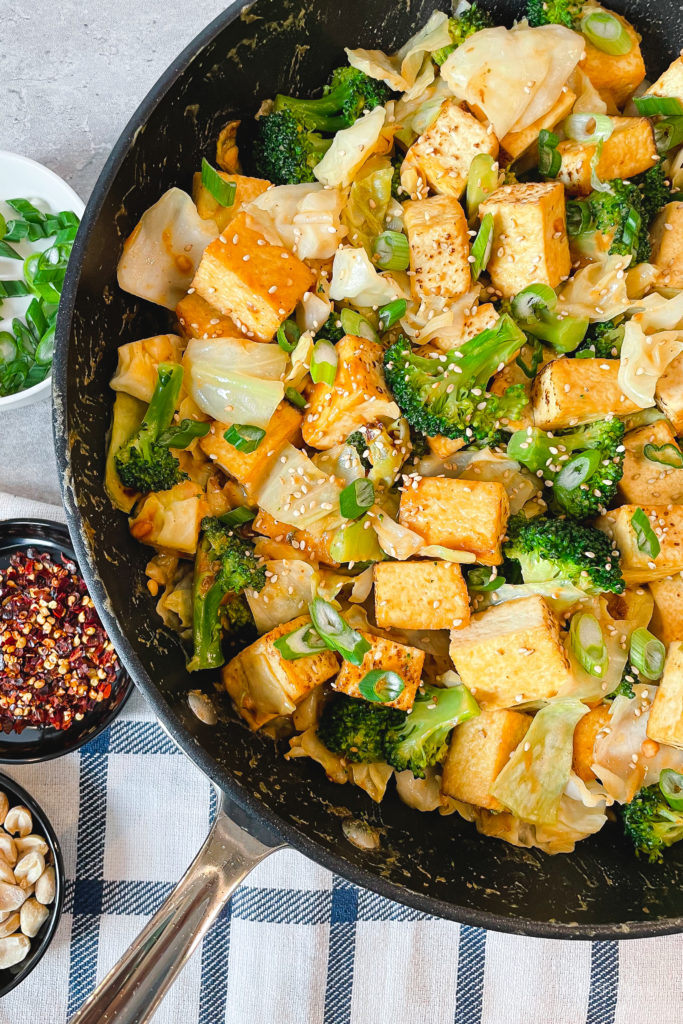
x,y
579,218
300,643
588,127
7,252
381,686
664,454
527,303
606,33
391,313
631,227
577,471
534,307
237,516
222,191
244,437
483,579
481,247
288,335
655,106
182,434
337,633
646,538
668,134
353,323
671,788
647,653
324,362
391,251
549,160
357,498
13,289
295,397
588,643
482,180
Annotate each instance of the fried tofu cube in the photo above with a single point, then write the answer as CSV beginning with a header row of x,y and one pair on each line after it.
x,y
136,371
484,317
250,469
511,653
439,247
210,209
667,617
515,143
389,656
199,319
615,76
314,547
529,236
171,520
264,685
629,150
646,481
246,277
442,155
640,565
571,391
466,515
478,752
670,83
669,393
665,721
358,396
444,447
420,595
585,733
666,235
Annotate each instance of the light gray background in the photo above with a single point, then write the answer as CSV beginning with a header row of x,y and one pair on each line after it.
x,y
73,72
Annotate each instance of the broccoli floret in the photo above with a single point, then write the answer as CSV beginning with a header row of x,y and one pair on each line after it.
x,y
651,824
582,466
654,189
144,463
397,190
602,341
236,613
357,728
285,151
618,214
560,549
472,20
348,94
447,394
625,688
225,565
331,329
554,12
359,441
421,739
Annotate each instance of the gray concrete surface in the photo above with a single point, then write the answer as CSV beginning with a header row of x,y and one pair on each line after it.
x,y
94,61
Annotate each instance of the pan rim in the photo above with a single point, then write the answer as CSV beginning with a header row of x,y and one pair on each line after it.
x,y
242,797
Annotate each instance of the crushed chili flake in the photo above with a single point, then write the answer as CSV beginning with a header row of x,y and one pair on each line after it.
x,y
56,661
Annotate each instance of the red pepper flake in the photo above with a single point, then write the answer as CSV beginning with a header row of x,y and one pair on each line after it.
x,y
56,661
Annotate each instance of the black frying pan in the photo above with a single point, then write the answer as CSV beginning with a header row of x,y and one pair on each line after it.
x,y
438,865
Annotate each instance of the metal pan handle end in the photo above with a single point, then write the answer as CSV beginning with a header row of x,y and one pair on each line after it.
x,y
135,986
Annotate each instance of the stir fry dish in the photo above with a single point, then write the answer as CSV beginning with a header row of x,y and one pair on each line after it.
x,y
412,447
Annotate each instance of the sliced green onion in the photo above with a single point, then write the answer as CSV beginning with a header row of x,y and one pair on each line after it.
x,y
668,133
222,191
526,304
13,289
654,106
391,313
3,226
482,180
588,127
671,787
631,227
381,686
295,397
549,160
353,323
8,253
596,184
36,319
588,643
300,643
288,335
357,498
237,516
606,33
534,308
483,579
26,210
481,247
337,633
646,538
324,362
182,434
8,347
244,437
391,251
647,653
664,454
579,218
46,347
577,470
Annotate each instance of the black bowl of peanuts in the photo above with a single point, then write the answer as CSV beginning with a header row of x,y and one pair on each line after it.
x,y
61,682
31,884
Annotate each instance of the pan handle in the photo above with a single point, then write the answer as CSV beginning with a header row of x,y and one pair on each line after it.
x,y
133,989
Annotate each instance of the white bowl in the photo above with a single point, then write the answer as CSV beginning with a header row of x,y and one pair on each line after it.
x,y
22,177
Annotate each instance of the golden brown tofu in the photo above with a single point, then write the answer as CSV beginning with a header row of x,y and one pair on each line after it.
x,y
250,469
629,150
515,143
529,236
465,515
638,564
511,653
665,721
314,547
667,617
666,235
439,247
669,393
420,595
389,656
478,752
571,391
246,277
442,155
264,685
615,76
170,520
444,447
483,318
199,319
210,209
136,372
358,396
647,481
670,83
585,733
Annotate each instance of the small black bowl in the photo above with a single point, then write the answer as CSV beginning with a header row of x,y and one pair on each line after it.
x,y
41,743
13,976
